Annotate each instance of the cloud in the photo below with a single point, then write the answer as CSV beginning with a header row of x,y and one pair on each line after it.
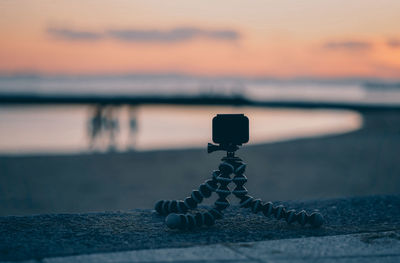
x,y
68,34
349,45
178,34
393,43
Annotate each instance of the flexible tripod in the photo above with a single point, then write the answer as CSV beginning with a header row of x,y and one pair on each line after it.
x,y
177,210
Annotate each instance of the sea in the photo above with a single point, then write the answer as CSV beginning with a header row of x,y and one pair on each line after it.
x,y
71,129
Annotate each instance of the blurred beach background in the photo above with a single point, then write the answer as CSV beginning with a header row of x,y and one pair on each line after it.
x,y
320,82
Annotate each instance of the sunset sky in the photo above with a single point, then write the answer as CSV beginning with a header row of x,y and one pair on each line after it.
x,y
358,38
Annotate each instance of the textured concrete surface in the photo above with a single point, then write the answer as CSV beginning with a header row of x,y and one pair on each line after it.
x,y
366,247
198,253
376,245
44,236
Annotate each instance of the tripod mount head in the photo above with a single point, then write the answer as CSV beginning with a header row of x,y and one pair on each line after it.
x,y
229,148
229,131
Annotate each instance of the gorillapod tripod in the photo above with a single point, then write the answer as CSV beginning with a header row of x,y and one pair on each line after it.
x,y
177,210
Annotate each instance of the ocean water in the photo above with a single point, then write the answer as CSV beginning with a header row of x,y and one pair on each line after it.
x,y
361,91
64,129
67,129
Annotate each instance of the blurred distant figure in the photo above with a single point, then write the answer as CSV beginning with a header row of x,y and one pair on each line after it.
x,y
111,127
95,127
103,128
133,128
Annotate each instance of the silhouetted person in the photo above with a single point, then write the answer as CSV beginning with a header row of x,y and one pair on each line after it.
x,y
95,126
111,126
133,128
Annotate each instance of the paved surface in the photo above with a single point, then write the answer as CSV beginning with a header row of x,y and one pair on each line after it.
x,y
44,236
369,247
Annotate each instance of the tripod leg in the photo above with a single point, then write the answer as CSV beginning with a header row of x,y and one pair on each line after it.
x,y
165,207
315,219
256,205
207,218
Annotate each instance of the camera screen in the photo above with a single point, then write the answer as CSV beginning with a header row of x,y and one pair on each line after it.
x,y
230,129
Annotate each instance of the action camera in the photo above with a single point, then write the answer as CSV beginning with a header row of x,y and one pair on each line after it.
x,y
230,129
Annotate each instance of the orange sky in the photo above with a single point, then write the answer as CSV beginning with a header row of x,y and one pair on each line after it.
x,y
272,38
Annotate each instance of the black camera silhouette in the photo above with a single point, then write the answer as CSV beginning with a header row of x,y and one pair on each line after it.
x,y
229,131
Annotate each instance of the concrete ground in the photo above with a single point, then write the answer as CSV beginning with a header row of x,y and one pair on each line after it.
x,y
375,247
362,229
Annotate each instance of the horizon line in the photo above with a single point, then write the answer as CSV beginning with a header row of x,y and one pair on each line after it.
x,y
28,74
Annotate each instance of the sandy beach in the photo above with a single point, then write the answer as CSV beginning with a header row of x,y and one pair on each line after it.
x,y
364,162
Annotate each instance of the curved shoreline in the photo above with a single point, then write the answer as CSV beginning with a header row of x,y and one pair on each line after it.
x,y
60,130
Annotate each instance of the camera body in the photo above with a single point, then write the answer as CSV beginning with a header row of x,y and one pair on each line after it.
x,y
230,129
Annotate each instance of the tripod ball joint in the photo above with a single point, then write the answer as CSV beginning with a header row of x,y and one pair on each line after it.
x,y
190,221
226,168
316,219
165,207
